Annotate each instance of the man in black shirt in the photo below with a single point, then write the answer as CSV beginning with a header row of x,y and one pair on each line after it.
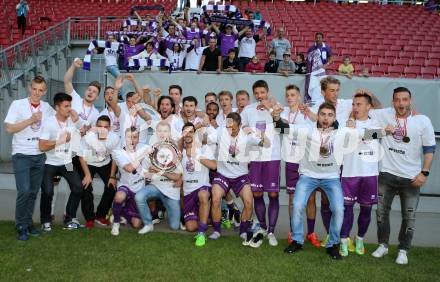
x,y
211,58
271,66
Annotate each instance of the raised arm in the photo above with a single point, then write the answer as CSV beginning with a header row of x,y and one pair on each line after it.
x,y
68,77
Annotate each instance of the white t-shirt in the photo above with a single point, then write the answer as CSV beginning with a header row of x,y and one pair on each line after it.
x,y
247,47
166,185
193,58
176,58
343,110
364,161
87,115
400,158
195,175
316,163
26,141
97,152
114,120
255,118
111,57
233,158
289,139
221,118
134,182
51,130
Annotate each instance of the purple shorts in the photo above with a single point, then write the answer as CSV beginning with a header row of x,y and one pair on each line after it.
x,y
292,176
236,184
361,189
265,176
212,175
130,209
191,204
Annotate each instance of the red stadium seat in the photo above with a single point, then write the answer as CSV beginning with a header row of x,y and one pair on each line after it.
x,y
385,61
432,62
378,70
417,62
412,72
429,72
395,71
401,61
371,60
434,56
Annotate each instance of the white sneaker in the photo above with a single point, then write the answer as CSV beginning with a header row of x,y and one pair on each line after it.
x,y
401,257
243,235
115,229
182,226
380,251
214,236
272,240
47,227
146,229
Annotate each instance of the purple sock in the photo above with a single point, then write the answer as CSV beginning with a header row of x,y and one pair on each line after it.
x,y
326,215
260,211
244,226
310,225
202,227
117,210
347,224
274,208
216,225
364,220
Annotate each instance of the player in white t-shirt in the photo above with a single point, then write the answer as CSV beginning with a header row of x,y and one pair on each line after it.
x,y
83,106
95,158
162,186
320,167
197,160
403,170
330,87
293,114
60,140
264,168
225,102
360,169
23,120
242,100
132,163
232,172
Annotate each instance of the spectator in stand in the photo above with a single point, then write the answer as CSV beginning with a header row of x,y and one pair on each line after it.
x,y
148,53
300,64
194,55
271,66
211,58
131,48
364,72
176,56
22,11
227,39
254,66
248,44
280,45
346,68
111,59
257,15
286,66
231,64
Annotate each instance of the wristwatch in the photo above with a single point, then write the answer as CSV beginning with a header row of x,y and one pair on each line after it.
x,y
425,172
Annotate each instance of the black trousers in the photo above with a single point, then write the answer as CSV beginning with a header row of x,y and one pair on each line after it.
x,y
87,205
21,22
74,181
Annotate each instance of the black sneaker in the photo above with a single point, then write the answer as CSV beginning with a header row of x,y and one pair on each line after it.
x,y
249,236
33,231
333,252
293,248
257,240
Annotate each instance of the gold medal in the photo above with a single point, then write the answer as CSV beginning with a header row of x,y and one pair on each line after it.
x,y
323,151
406,139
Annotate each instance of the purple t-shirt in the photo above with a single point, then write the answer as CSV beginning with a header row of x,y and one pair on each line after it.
x,y
130,51
191,34
227,42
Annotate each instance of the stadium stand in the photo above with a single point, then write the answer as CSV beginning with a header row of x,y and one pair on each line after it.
x,y
390,40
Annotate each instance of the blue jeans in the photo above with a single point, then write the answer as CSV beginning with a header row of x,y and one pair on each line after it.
x,y
28,170
332,188
172,206
113,70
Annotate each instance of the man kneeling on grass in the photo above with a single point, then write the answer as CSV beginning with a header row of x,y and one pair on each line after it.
x,y
197,160
131,161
